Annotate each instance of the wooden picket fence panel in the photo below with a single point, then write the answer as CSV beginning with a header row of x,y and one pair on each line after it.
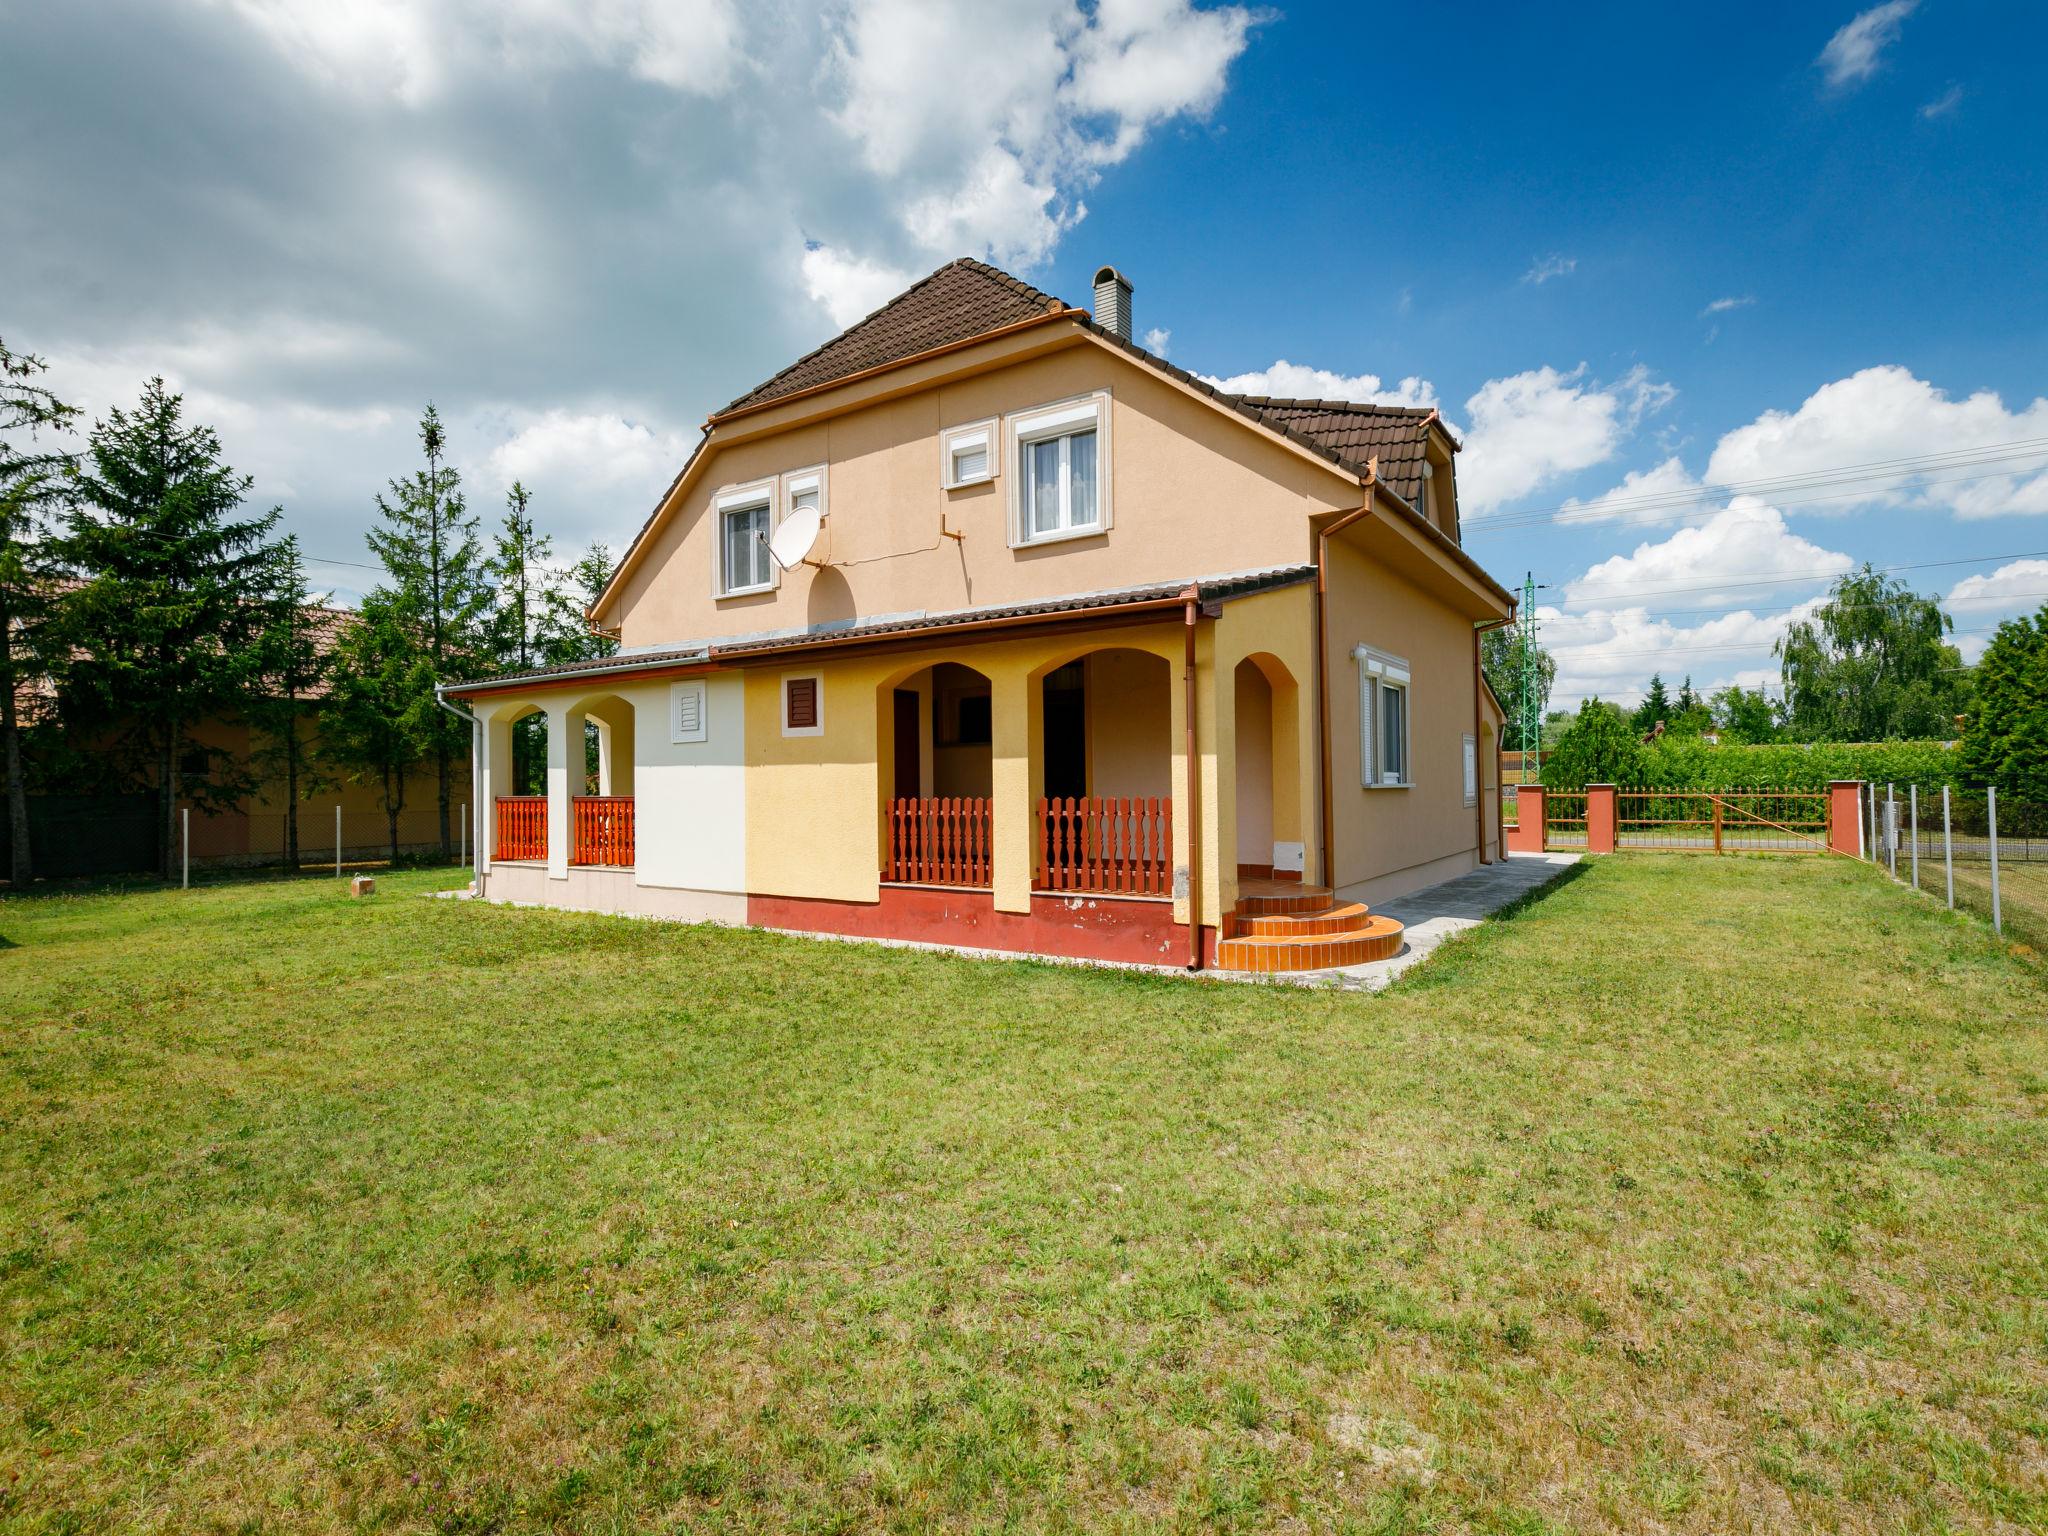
x,y
603,826
1106,846
522,827
941,840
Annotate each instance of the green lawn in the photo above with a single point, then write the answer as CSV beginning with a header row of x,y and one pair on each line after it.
x,y
1703,1195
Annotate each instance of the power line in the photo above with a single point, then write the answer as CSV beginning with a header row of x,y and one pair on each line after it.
x,y
1695,650
1785,580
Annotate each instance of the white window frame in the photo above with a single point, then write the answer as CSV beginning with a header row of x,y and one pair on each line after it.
x,y
678,693
1059,419
987,434
1378,674
741,498
795,483
782,703
1471,761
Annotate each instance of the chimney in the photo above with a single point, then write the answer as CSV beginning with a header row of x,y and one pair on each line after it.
x,y
1113,302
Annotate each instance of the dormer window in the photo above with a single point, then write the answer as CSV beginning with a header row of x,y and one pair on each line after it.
x,y
1062,471
969,454
745,518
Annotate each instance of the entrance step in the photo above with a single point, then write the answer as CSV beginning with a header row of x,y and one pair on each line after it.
x,y
1262,898
1369,938
1341,918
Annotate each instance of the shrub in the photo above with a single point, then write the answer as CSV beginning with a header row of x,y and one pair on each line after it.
x,y
1599,747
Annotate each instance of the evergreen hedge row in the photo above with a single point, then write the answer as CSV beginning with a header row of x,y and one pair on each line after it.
x,y
1690,763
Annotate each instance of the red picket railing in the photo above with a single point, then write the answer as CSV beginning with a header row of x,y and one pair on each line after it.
x,y
945,840
1106,846
522,827
603,826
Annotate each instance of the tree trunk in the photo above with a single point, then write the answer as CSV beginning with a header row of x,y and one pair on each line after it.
x,y
394,802
167,792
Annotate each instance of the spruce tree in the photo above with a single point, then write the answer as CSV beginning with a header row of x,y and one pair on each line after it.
x,y
294,665
380,711
429,544
172,596
34,478
570,636
1656,706
519,566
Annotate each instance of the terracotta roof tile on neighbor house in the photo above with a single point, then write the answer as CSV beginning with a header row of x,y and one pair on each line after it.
x,y
963,299
1209,589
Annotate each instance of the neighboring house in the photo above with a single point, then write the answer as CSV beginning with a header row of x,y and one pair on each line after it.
x,y
1052,571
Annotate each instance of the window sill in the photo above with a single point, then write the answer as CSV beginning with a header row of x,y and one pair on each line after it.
x,y
1409,785
745,591
1065,536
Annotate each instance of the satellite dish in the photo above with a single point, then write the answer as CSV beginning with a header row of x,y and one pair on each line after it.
x,y
793,540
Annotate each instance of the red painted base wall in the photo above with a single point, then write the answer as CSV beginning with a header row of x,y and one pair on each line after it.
x,y
1072,927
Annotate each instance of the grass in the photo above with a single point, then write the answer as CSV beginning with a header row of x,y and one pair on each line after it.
x,y
1702,1195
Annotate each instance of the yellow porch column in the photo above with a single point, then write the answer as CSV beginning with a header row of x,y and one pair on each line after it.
x,y
1014,735
560,722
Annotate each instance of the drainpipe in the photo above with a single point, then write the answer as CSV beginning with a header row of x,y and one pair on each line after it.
x,y
1192,606
1329,870
1478,770
476,800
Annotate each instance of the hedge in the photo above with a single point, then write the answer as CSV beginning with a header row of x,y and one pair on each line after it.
x,y
1688,762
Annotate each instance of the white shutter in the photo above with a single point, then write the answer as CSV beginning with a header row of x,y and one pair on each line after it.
x,y
970,463
1471,771
1368,713
688,712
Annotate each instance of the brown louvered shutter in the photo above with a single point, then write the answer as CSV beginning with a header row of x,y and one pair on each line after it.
x,y
802,699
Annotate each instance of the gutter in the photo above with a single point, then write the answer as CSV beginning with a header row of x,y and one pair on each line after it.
x,y
1478,771
461,712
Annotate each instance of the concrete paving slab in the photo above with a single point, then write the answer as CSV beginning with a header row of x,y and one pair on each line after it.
x,y
1436,912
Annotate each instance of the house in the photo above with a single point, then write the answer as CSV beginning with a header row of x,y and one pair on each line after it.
x,y
981,625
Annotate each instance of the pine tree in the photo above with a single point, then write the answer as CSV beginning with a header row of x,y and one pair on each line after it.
x,y
519,566
293,666
33,480
568,634
171,601
1656,706
429,544
380,711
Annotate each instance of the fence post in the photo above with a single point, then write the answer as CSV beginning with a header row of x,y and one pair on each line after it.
x,y
1991,812
462,839
337,842
1891,829
1876,852
1717,823
1600,813
1948,856
185,838
1913,815
1845,817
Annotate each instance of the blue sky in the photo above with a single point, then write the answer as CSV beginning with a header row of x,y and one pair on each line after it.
x,y
1753,247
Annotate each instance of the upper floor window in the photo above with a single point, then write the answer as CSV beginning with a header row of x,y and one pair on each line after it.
x,y
743,527
1062,471
968,454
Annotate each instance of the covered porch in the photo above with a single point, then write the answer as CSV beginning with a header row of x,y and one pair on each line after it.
x,y
560,775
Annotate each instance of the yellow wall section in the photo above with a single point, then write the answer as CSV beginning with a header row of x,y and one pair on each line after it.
x,y
1193,492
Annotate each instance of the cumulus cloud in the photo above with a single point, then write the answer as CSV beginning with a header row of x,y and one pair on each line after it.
x,y
1158,339
1644,496
1884,414
594,469
1853,54
2015,587
1531,429
1551,266
1297,381
1621,620
850,287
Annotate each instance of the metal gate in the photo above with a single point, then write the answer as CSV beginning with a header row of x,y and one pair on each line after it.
x,y
1723,820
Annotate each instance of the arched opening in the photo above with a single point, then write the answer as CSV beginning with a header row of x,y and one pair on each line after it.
x,y
518,759
601,781
1269,834
1105,774
938,777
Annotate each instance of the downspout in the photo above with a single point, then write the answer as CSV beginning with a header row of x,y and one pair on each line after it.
x,y
1323,671
1478,768
1192,607
476,805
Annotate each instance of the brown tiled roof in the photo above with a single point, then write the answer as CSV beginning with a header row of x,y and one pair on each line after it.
x,y
963,299
1398,434
740,648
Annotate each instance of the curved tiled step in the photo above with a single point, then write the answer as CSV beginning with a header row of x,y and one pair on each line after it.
x,y
1375,938
1263,898
1341,918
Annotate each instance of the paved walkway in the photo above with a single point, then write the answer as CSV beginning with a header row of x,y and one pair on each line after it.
x,y
1436,912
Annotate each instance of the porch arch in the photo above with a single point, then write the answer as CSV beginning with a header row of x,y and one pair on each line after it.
x,y
935,772
517,735
1270,838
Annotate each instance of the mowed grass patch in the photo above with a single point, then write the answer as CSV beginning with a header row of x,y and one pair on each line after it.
x,y
1702,1194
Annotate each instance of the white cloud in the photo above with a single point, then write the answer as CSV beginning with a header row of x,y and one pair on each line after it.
x,y
1884,414
1944,104
850,287
1853,54
1551,266
1652,495
1722,306
593,474
2017,586
991,121
1297,381
1533,428
1158,339
1744,542
408,49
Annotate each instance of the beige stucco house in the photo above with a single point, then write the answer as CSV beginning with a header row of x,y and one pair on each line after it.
x,y
981,625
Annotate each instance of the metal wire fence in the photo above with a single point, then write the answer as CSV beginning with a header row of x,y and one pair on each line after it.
x,y
330,837
1975,849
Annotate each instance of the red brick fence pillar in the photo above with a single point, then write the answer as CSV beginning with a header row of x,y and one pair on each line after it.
x,y
1845,817
1526,835
1600,814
